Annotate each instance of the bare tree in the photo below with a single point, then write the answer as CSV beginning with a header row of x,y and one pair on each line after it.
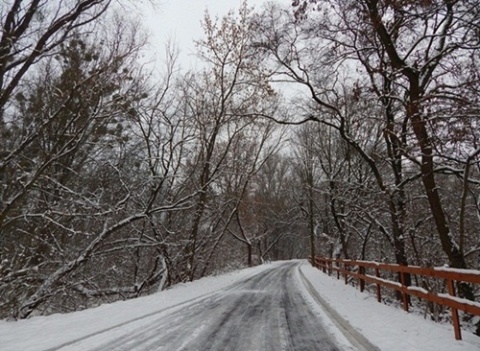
x,y
221,101
75,175
421,54
337,99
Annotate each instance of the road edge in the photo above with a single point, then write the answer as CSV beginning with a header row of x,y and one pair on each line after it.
x,y
353,336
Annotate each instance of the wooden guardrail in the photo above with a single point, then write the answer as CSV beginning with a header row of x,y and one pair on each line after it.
x,y
368,271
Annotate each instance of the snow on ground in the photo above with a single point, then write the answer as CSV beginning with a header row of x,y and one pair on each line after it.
x,y
43,333
388,328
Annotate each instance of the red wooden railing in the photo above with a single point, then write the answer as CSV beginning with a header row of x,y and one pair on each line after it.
x,y
367,271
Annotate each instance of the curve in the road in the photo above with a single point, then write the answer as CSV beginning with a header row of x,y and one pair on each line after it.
x,y
264,312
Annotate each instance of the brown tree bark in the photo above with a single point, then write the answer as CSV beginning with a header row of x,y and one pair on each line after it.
x,y
424,140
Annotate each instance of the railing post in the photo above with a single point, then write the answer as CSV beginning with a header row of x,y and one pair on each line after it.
x,y
345,271
324,266
361,271
338,269
455,319
379,288
404,294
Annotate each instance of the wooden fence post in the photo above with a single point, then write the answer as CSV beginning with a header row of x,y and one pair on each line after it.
x,y
345,271
379,288
455,319
404,294
361,271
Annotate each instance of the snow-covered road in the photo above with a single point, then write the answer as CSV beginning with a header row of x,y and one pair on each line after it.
x,y
276,306
266,311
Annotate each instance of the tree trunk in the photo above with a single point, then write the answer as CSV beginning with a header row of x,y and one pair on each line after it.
x,y
419,126
249,254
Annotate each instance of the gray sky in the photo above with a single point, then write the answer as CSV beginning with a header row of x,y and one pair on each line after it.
x,y
179,20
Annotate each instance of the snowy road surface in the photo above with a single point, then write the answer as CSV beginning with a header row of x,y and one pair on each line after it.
x,y
264,312
267,307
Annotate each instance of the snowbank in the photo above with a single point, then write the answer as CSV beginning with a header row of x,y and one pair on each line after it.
x,y
387,327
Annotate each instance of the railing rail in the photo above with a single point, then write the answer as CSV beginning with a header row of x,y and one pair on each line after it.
x,y
368,271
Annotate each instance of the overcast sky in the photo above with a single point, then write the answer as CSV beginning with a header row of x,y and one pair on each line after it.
x,y
179,20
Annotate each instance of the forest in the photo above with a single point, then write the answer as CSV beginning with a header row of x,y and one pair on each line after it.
x,y
326,128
